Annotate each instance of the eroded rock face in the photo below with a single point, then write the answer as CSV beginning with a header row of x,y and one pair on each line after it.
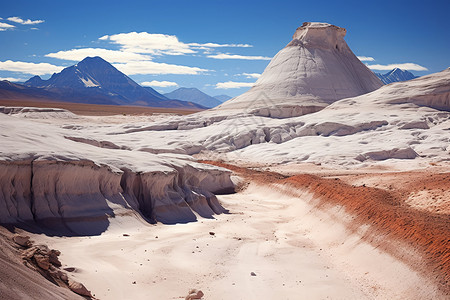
x,y
48,190
323,35
315,69
42,261
22,240
68,184
15,184
194,294
42,256
79,288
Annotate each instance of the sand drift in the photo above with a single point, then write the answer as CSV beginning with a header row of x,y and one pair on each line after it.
x,y
281,237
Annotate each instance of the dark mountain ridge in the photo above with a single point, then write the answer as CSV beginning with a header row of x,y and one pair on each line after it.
x,y
95,81
193,95
396,75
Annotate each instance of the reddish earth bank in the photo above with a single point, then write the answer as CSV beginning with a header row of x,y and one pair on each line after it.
x,y
385,210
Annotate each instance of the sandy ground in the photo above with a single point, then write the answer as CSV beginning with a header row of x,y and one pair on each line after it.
x,y
280,229
295,249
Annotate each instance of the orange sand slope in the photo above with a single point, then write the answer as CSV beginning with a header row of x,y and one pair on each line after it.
x,y
387,210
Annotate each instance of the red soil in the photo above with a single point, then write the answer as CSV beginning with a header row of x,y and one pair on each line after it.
x,y
385,210
96,109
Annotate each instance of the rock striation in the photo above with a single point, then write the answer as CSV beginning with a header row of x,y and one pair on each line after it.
x,y
49,179
404,120
315,69
77,193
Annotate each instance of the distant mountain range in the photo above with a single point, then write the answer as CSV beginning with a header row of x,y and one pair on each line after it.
x,y
15,91
223,98
94,81
395,76
194,95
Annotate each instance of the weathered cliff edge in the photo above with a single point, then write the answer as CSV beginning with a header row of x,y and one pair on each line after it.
x,y
81,195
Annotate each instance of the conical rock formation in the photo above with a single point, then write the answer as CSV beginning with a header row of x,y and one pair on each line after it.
x,y
315,69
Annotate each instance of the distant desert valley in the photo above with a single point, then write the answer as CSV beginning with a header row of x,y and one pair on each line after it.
x,y
322,181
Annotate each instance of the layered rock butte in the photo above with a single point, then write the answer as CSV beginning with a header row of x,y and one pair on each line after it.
x,y
315,69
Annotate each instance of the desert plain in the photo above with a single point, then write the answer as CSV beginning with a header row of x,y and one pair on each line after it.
x,y
320,182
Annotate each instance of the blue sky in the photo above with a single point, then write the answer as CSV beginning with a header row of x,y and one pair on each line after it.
x,y
217,46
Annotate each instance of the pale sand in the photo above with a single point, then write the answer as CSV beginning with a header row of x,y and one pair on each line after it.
x,y
295,250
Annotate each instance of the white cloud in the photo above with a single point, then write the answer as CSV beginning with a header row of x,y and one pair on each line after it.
x,y
12,79
235,56
251,75
365,58
151,67
215,45
130,63
151,43
25,22
5,26
156,83
159,44
233,85
404,66
29,68
112,56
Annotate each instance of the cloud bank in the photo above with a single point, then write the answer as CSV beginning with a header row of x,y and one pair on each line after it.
x,y
155,83
403,66
236,56
251,75
137,51
12,79
24,22
29,68
5,26
112,56
365,58
160,44
151,67
233,85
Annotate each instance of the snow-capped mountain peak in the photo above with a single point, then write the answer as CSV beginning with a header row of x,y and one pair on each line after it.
x,y
94,80
396,75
